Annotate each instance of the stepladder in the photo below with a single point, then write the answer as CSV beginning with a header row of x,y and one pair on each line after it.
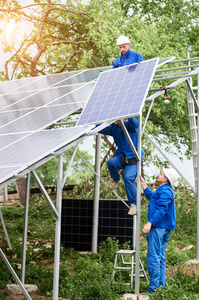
x,y
121,263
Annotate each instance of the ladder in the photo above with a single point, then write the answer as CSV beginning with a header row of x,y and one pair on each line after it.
x,y
127,265
193,125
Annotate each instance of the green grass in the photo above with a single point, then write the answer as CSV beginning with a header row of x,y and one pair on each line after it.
x,y
89,276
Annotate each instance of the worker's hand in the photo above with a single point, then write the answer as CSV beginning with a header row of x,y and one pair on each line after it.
x,y
143,182
146,228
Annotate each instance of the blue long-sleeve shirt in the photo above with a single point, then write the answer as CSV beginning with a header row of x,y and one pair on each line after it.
x,y
161,209
128,58
120,139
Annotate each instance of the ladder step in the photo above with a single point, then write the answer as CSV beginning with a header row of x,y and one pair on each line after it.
x,y
125,252
193,115
122,268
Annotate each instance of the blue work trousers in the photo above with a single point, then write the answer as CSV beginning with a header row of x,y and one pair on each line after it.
x,y
157,239
130,173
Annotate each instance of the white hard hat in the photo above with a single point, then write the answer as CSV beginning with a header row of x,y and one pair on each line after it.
x,y
122,40
171,175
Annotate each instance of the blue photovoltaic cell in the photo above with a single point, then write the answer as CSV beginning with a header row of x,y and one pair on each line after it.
x,y
119,93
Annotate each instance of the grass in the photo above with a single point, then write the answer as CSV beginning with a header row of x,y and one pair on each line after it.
x,y
89,276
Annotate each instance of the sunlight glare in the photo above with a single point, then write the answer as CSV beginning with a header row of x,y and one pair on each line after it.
x,y
10,27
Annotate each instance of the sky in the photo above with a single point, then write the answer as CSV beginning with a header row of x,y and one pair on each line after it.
x,y
24,27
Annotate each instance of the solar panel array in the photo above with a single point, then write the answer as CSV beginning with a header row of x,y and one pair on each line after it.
x,y
32,104
119,93
27,106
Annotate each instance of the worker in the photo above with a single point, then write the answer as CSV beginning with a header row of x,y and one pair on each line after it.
x,y
127,57
124,159
161,220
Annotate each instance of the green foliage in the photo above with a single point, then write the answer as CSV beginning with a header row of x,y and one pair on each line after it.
x,y
88,275
85,190
48,171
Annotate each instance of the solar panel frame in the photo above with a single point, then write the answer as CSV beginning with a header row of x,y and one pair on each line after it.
x,y
105,104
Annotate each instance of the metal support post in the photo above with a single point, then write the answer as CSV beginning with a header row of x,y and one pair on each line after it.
x,y
96,194
137,262
129,140
15,275
134,231
5,230
198,178
44,192
25,228
70,164
58,229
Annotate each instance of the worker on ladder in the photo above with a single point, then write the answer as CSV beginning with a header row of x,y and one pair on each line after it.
x,y
125,158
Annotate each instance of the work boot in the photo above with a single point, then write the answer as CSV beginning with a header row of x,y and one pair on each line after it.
x,y
114,184
133,210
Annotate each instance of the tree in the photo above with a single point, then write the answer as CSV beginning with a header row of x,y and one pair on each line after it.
x,y
75,36
57,37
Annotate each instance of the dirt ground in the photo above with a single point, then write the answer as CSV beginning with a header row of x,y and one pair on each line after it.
x,y
187,268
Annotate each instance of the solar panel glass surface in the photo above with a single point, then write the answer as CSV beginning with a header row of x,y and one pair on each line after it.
x,y
41,117
15,85
119,93
30,149
84,76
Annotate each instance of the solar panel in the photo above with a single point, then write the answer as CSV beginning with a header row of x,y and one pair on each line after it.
x,y
34,83
30,149
85,76
42,82
119,93
9,99
13,85
40,98
8,139
41,117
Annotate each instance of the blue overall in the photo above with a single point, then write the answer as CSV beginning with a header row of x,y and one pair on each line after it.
x,y
128,58
161,213
115,163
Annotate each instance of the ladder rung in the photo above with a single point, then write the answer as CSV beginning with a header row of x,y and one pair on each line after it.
x,y
125,252
193,115
194,127
122,268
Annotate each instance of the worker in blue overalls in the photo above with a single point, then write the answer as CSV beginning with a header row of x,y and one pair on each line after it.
x,y
125,158
161,220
